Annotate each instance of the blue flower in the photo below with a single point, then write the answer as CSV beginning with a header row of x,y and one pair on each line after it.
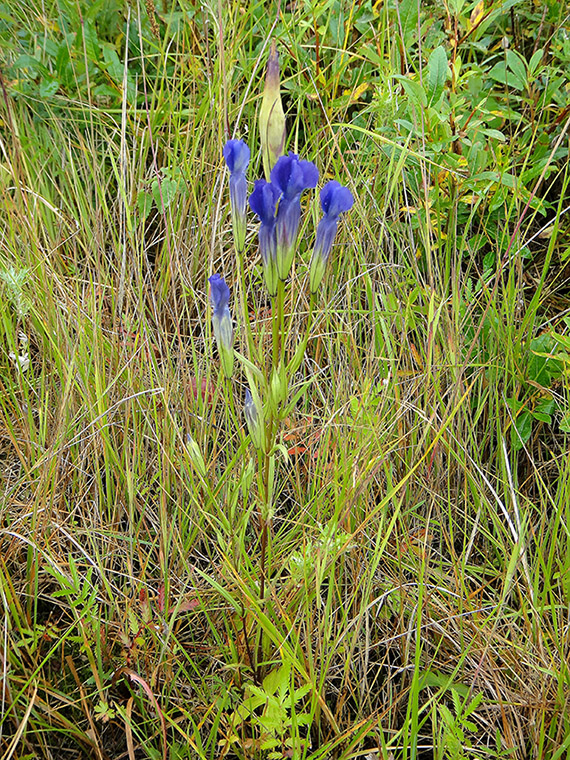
x,y
291,177
237,156
222,322
335,199
262,202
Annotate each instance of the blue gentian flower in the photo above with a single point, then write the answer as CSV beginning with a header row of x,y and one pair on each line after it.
x,y
222,322
291,177
253,420
262,202
237,156
335,199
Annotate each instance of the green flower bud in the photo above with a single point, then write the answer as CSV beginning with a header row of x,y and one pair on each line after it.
x,y
271,116
195,455
255,421
278,386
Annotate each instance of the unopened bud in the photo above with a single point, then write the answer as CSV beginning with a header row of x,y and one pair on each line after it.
x,y
271,116
254,421
279,386
195,455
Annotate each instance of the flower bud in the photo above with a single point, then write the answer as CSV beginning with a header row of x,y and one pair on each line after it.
x,y
271,116
195,455
222,322
278,387
335,200
236,154
254,421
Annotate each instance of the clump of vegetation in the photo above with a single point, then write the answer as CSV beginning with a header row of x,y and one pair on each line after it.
x,y
325,515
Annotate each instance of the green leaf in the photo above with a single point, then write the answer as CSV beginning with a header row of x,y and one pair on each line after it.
x,y
494,133
473,705
535,61
144,204
517,65
165,192
273,680
414,91
48,88
302,691
408,16
456,6
565,422
436,75
62,62
505,76
514,404
544,409
521,430
113,65
90,41
541,367
31,63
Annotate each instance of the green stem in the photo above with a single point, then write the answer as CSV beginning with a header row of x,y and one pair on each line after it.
x,y
278,321
281,311
243,303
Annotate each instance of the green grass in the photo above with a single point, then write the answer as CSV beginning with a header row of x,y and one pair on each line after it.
x,y
416,571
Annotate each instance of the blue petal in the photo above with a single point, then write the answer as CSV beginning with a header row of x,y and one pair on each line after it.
x,y
219,293
238,192
288,219
335,199
237,156
326,232
291,176
263,201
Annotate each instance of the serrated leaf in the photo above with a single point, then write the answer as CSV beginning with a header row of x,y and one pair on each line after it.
x,y
456,701
473,705
165,192
144,204
133,622
302,691
275,679
446,716
48,88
